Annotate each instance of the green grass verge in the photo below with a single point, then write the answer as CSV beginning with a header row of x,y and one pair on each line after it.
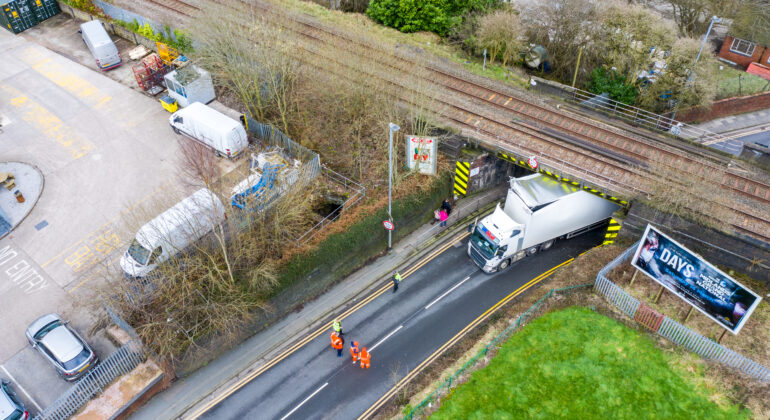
x,y
733,82
575,363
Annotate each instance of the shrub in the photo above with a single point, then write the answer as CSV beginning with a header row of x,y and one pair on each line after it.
x,y
423,15
613,83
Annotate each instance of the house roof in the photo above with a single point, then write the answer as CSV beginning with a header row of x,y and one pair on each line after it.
x,y
759,70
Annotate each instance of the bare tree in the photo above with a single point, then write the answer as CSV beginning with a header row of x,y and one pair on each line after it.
x,y
502,33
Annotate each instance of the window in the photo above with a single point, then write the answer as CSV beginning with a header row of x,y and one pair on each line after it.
x,y
743,47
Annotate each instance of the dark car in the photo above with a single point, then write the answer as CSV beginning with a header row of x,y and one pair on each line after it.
x,y
62,346
10,406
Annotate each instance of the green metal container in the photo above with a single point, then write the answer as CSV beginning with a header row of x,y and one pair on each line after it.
x,y
16,16
44,9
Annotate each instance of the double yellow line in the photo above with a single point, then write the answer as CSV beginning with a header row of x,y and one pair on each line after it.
x,y
430,359
325,328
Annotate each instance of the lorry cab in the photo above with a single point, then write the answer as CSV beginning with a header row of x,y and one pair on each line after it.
x,y
100,45
492,238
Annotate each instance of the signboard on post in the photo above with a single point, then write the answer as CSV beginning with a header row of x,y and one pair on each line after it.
x,y
421,154
388,224
694,280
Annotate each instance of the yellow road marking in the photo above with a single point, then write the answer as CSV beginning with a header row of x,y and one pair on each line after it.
x,y
60,76
100,228
481,318
288,352
48,123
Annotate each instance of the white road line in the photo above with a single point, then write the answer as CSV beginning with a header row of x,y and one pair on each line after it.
x,y
447,292
304,401
18,385
385,338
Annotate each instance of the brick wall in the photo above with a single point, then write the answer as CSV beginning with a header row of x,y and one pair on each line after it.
x,y
725,107
739,59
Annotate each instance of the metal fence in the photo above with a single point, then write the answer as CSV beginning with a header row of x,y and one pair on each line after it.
x,y
453,381
122,361
358,192
311,162
672,330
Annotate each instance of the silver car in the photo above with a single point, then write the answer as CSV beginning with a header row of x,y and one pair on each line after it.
x,y
62,346
10,406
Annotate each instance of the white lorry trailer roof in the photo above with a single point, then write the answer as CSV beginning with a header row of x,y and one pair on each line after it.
x,y
537,190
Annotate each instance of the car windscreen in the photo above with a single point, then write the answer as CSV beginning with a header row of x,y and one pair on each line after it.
x,y
48,328
139,253
481,243
77,360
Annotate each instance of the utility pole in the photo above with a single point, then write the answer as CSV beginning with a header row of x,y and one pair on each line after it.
x,y
577,66
391,129
714,20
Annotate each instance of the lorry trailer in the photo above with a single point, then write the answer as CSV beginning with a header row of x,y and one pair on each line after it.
x,y
538,211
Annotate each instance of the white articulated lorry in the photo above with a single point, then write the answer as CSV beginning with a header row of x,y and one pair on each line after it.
x,y
538,211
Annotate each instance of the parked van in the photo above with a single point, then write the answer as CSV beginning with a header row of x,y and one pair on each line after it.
x,y
214,129
101,46
171,232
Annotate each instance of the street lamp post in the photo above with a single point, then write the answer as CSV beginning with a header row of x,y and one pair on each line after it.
x,y
391,129
714,20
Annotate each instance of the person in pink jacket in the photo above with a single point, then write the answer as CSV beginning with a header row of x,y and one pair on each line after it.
x,y
443,216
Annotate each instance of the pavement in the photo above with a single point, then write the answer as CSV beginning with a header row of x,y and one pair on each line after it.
x,y
29,182
751,127
200,388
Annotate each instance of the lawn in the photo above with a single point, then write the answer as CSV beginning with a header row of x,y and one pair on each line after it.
x,y
578,364
733,82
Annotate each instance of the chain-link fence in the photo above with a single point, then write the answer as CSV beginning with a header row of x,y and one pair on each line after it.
x,y
454,380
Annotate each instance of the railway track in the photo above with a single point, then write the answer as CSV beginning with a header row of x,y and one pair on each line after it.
x,y
177,6
539,127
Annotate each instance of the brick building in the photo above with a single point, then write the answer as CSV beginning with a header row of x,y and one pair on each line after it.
x,y
743,52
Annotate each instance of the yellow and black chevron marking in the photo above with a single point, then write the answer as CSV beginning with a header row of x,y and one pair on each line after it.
x,y
592,190
462,173
612,232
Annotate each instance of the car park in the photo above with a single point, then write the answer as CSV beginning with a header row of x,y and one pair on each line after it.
x,y
10,406
62,346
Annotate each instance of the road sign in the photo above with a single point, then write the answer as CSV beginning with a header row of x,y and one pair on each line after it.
x,y
532,162
388,224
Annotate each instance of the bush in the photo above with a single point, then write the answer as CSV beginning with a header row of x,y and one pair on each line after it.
x,y
342,253
613,83
437,16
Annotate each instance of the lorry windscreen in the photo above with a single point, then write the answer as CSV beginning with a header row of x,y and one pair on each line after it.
x,y
481,243
139,253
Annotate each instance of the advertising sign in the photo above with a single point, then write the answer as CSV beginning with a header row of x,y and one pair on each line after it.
x,y
421,154
694,280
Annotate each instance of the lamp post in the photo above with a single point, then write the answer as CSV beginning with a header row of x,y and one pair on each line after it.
x,y
392,128
714,20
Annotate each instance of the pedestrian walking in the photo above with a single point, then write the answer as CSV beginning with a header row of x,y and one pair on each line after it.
x,y
337,343
446,205
365,358
354,351
396,280
443,216
337,327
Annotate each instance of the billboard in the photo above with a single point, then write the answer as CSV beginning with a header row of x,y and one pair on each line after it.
x,y
694,280
421,154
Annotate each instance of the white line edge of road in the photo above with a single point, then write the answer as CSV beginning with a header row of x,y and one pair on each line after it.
x,y
447,292
385,338
18,385
304,401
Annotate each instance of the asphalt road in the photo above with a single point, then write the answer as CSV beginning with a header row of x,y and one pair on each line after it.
x,y
400,329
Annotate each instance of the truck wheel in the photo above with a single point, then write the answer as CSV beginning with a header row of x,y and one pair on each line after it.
x,y
531,251
546,245
176,130
504,264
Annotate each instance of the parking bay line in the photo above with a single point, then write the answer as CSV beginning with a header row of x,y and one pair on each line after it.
x,y
17,384
447,292
304,401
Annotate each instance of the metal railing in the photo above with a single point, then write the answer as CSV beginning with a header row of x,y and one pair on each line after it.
x,y
311,162
674,331
119,363
358,192
444,388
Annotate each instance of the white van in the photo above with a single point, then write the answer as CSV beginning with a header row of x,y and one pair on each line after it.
x,y
171,232
101,46
214,129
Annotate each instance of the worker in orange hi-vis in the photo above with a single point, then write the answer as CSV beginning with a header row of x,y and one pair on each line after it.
x,y
337,343
354,351
365,358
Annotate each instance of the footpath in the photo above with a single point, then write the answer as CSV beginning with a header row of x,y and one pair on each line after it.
x,y
212,379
